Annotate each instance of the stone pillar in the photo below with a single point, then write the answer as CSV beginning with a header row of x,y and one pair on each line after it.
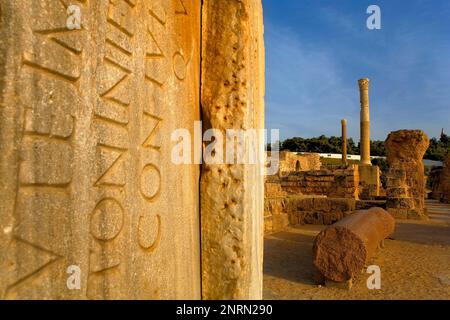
x,y
232,195
344,142
405,185
365,123
88,189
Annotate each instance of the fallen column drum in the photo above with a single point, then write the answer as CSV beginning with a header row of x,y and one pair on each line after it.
x,y
342,250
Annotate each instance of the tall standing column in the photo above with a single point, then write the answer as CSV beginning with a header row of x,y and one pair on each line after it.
x,y
344,142
365,123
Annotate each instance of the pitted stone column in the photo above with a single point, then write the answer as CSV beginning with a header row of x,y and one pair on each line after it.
x,y
344,141
365,122
232,195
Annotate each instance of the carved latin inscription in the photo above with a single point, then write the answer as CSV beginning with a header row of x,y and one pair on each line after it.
x,y
85,162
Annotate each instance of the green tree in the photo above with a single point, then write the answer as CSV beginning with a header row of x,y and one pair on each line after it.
x,y
438,149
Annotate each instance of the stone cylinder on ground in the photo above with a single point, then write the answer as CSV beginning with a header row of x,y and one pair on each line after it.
x,y
342,250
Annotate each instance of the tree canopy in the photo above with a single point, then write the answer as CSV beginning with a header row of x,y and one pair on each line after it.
x,y
438,150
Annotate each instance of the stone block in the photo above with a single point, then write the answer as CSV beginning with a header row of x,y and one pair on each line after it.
x,y
85,158
280,221
232,97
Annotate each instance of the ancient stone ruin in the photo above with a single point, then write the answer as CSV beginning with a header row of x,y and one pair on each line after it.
x,y
89,188
440,182
369,175
87,182
276,217
342,250
293,162
336,182
232,195
444,188
405,186
364,122
344,141
314,194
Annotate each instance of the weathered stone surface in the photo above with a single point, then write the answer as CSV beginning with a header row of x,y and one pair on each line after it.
x,y
405,185
318,210
342,250
336,183
364,122
86,174
406,146
275,219
232,194
290,162
444,185
369,182
344,141
434,178
367,204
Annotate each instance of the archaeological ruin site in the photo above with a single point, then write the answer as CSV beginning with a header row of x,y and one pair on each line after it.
x,y
93,206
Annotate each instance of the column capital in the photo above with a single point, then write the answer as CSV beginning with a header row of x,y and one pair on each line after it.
x,y
364,84
344,122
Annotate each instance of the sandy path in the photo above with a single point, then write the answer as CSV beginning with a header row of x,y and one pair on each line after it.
x,y
415,264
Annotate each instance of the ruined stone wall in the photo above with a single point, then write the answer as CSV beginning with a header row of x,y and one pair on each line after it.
x,y
405,185
87,179
318,210
282,209
434,178
337,183
444,182
275,217
319,197
369,182
290,161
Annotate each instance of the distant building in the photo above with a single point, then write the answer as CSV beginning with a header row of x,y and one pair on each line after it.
x,y
426,162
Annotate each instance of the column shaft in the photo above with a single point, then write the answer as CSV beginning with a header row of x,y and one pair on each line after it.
x,y
365,123
344,142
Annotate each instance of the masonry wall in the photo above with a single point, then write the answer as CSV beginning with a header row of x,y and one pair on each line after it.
x,y
275,216
290,161
336,183
445,182
318,211
369,182
311,197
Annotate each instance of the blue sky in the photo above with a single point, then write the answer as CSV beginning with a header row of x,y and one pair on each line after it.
x,y
316,50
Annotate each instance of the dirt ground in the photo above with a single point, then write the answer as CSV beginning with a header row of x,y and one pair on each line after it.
x,y
415,263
